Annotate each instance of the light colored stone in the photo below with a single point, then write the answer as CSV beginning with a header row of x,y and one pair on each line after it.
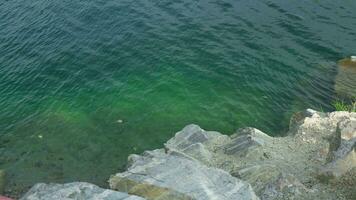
x,y
185,176
193,134
313,142
196,142
258,175
297,119
245,140
347,129
74,191
286,186
341,166
199,152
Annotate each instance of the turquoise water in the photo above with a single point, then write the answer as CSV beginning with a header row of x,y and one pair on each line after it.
x,y
69,70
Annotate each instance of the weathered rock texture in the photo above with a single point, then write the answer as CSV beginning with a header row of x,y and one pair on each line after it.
x,y
181,175
317,153
76,190
316,160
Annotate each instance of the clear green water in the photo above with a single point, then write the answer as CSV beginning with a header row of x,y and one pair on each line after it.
x,y
69,70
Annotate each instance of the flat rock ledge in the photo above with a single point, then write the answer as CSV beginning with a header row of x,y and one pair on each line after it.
x,y
316,160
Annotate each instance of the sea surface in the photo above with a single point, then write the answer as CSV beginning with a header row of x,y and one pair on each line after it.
x,y
83,84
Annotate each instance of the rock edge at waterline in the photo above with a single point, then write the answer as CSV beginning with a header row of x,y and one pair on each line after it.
x,y
316,160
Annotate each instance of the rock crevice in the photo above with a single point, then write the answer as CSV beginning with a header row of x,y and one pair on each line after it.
x,y
316,160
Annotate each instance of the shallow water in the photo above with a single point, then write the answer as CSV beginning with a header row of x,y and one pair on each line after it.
x,y
70,70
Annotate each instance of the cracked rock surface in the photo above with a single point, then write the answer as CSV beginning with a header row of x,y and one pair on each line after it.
x,y
315,160
311,162
178,172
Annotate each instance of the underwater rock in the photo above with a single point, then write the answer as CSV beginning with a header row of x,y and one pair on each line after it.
x,y
346,78
315,160
75,191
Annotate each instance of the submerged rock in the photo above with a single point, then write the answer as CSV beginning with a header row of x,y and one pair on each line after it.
x,y
316,160
346,78
75,191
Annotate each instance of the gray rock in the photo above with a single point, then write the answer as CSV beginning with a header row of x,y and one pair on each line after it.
x,y
347,129
249,154
199,152
258,175
196,142
297,119
199,164
286,186
315,141
343,154
185,176
74,191
191,134
245,140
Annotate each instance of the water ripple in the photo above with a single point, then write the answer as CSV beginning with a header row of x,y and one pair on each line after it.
x,y
72,69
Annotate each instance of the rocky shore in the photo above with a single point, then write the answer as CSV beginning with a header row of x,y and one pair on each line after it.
x,y
316,160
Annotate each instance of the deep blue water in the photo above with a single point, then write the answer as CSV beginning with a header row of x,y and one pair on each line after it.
x,y
69,70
